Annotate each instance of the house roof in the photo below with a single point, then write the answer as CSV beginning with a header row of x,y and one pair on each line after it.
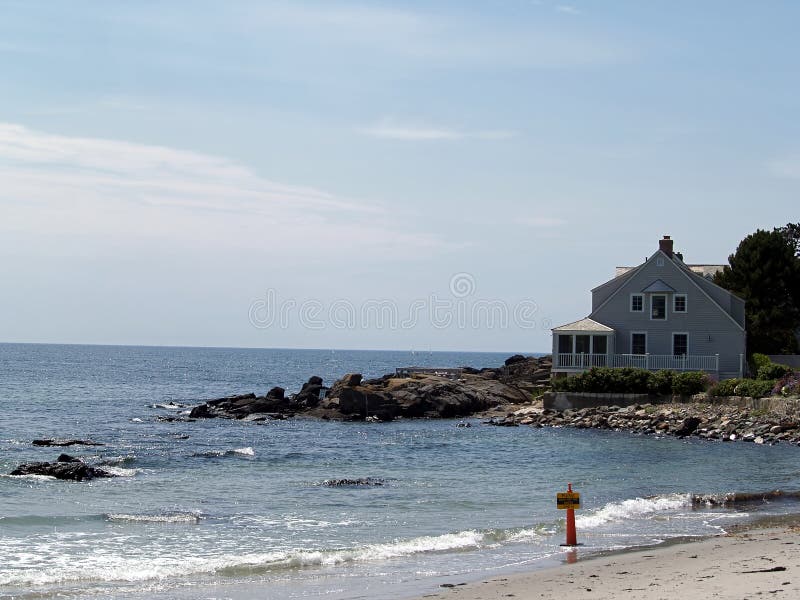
x,y
707,271
658,286
690,274
586,324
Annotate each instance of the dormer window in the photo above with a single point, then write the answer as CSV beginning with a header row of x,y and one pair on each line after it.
x,y
637,303
658,307
679,303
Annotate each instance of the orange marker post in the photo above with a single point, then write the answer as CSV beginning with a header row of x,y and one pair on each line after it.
x,y
569,501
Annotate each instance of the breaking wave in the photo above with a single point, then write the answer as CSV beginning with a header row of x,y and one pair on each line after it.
x,y
188,517
131,569
633,508
242,452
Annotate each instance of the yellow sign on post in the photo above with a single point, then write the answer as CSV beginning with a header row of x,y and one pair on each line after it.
x,y
568,500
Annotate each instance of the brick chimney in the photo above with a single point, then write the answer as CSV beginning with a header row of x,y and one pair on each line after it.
x,y
665,245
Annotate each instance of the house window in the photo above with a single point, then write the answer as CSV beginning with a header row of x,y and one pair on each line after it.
x,y
582,344
564,344
658,307
599,344
680,344
679,303
637,303
638,343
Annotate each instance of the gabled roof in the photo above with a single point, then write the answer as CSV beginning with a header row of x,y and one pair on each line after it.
x,y
690,275
658,286
586,324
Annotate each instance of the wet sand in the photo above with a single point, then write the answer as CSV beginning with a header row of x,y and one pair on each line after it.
x,y
755,563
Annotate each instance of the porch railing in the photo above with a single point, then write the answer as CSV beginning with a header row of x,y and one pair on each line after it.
x,y
652,362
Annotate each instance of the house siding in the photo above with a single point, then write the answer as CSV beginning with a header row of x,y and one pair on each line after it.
x,y
603,292
710,327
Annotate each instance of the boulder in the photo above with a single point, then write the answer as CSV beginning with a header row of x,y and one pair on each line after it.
x,y
72,469
687,426
517,358
276,393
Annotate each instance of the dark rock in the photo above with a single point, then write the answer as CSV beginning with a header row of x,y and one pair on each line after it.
x,y
361,481
517,358
276,393
352,379
67,458
688,426
73,470
66,442
314,380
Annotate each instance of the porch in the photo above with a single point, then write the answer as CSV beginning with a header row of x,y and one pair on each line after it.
x,y
570,362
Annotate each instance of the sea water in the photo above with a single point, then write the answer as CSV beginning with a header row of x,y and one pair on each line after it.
x,y
226,509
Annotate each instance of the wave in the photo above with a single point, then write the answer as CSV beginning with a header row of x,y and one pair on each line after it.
x,y
170,406
30,477
633,508
244,452
178,517
129,569
120,471
742,498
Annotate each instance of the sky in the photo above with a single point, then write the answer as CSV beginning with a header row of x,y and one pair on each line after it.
x,y
443,175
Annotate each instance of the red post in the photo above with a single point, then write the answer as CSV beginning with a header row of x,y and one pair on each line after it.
x,y
572,537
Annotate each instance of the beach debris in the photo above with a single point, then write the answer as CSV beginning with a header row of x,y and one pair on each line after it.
x,y
770,570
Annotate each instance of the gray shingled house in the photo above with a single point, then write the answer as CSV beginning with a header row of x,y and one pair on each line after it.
x,y
663,314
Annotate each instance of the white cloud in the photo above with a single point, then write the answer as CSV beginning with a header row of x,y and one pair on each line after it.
x,y
425,36
568,9
390,129
61,185
787,167
543,222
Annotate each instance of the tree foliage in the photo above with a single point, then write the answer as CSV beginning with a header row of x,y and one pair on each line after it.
x,y
765,272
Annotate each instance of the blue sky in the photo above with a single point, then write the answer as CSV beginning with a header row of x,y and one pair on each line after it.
x,y
445,175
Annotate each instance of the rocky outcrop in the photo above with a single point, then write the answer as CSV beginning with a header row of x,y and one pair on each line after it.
x,y
390,397
419,396
704,421
66,467
66,442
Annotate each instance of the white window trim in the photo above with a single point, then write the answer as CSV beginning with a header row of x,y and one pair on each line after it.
x,y
666,304
630,303
685,304
630,346
674,333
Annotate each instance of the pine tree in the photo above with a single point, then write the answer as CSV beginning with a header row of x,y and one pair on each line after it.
x,y
765,272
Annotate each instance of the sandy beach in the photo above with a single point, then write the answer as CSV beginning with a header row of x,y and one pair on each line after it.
x,y
751,563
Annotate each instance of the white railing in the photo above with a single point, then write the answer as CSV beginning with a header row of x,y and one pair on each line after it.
x,y
652,362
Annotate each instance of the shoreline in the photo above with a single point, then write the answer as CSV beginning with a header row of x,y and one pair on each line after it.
x,y
761,557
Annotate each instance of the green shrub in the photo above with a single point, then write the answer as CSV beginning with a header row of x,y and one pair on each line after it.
x,y
632,381
773,371
759,360
725,388
660,382
755,388
689,383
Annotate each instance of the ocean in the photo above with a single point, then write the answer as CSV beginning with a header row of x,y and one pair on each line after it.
x,y
225,509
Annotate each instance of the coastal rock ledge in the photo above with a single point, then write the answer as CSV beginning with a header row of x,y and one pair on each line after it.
x,y
415,395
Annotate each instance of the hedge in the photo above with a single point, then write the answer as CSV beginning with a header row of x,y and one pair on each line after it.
x,y
633,381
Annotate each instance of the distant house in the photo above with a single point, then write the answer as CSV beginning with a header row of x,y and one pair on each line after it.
x,y
663,314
